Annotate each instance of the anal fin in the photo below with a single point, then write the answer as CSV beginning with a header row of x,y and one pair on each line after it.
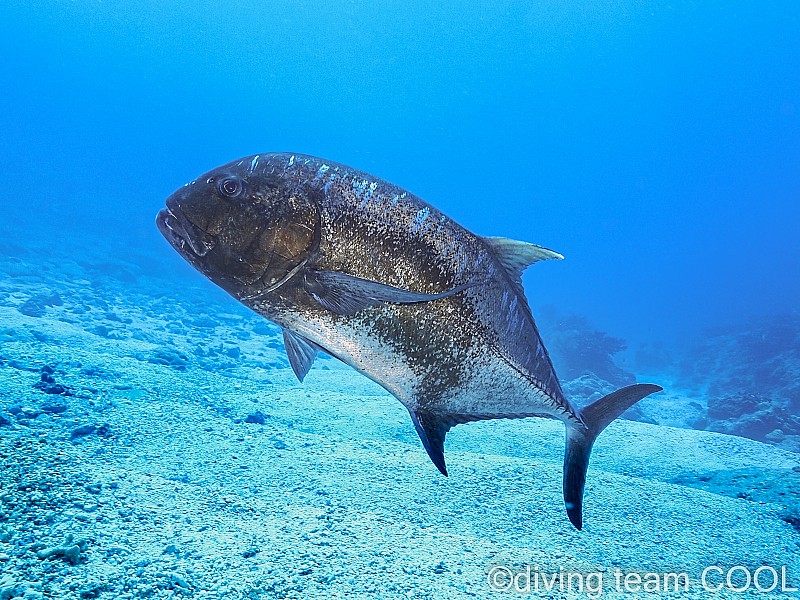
x,y
432,430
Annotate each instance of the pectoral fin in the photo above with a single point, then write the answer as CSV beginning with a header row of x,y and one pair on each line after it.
x,y
346,294
301,352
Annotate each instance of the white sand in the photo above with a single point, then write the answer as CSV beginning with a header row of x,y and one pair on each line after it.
x,y
333,496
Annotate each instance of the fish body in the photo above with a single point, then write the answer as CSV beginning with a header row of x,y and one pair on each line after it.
x,y
355,266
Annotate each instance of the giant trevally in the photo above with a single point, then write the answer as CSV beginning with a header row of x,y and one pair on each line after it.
x,y
355,266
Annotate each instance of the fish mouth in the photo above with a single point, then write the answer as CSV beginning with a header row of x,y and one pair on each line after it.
x,y
181,233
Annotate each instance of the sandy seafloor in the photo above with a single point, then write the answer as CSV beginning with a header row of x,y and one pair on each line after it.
x,y
166,491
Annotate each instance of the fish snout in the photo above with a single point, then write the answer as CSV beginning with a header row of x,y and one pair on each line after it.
x,y
181,233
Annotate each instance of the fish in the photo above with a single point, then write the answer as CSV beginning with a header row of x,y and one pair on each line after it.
x,y
351,265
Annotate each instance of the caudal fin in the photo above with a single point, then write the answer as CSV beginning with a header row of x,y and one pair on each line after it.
x,y
596,417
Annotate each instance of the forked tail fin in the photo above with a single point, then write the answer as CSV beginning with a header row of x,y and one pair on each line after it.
x,y
596,417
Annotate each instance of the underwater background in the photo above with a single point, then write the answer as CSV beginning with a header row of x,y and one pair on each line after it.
x,y
154,440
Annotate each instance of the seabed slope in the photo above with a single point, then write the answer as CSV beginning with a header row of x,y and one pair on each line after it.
x,y
146,480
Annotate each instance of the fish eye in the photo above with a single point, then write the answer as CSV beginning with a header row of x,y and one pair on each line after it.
x,y
230,187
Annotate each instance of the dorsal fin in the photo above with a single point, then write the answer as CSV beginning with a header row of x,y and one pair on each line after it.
x,y
517,256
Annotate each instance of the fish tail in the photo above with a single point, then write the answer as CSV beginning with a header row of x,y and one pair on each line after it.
x,y
580,439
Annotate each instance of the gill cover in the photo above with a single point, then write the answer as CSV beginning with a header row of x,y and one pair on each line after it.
x,y
282,245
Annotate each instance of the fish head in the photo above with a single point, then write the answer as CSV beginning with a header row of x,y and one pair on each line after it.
x,y
246,231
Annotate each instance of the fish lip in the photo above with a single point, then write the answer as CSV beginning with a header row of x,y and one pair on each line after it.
x,y
181,233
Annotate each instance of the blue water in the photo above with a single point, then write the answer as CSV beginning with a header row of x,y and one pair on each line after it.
x,y
656,146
